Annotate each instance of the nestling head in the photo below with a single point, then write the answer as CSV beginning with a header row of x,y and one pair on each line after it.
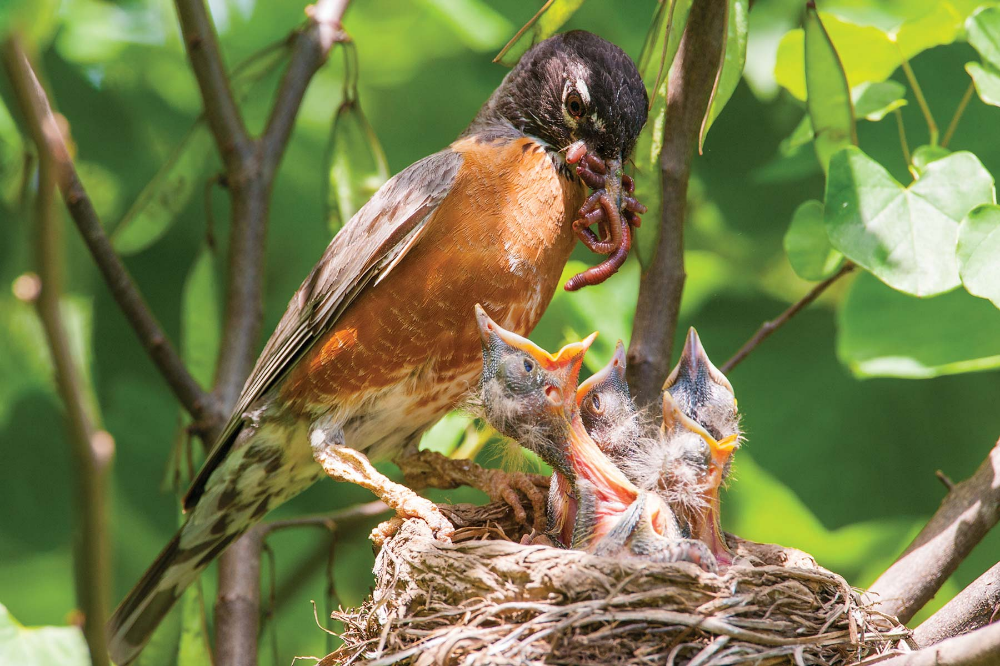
x,y
574,87
702,392
606,407
528,394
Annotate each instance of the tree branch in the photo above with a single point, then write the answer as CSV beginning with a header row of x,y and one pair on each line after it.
x,y
334,520
769,327
49,141
221,111
972,608
980,648
662,283
90,449
965,516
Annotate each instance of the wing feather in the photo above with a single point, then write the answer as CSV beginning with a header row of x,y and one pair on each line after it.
x,y
369,246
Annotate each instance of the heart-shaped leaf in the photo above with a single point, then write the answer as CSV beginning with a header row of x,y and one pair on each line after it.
x,y
883,333
807,245
924,155
873,101
906,236
987,80
40,646
983,29
979,252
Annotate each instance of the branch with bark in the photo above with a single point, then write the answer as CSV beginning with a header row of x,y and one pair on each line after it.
x,y
966,514
974,607
660,287
979,648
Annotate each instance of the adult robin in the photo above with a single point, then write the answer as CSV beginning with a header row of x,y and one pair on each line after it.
x,y
530,395
378,342
691,456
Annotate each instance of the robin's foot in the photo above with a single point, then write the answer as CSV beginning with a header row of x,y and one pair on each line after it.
x,y
431,469
537,538
684,550
346,464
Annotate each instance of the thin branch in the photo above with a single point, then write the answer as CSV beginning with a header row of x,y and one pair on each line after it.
x,y
237,603
972,608
48,139
769,327
91,450
945,479
330,521
662,283
965,516
309,51
979,648
221,111
953,125
932,127
904,144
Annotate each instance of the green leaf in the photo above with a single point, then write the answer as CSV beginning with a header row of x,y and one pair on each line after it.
x,y
829,96
883,333
40,646
873,101
807,245
355,164
979,252
942,25
987,80
193,649
475,23
904,235
983,29
733,62
924,155
157,206
866,54
200,319
552,16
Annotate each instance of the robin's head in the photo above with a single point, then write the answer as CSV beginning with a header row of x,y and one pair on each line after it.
x,y
528,394
574,87
702,392
606,407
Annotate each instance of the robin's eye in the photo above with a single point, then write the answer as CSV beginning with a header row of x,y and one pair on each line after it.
x,y
574,104
595,404
528,365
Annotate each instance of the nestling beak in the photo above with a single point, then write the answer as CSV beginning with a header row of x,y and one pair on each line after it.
x,y
615,370
694,369
674,416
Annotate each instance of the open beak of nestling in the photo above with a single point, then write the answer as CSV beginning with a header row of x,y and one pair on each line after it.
x,y
694,370
564,364
722,449
613,371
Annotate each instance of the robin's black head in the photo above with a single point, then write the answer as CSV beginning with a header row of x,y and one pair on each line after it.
x,y
572,87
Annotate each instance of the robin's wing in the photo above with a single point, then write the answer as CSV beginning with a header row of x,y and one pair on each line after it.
x,y
365,250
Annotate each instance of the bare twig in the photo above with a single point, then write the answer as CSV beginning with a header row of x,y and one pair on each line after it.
x,y
972,608
91,449
945,479
662,283
330,521
966,514
48,138
769,327
979,648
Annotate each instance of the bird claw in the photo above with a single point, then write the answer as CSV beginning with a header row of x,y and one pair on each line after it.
x,y
503,486
688,550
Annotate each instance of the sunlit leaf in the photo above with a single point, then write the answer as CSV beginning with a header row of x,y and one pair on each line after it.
x,y
866,53
200,318
904,235
445,435
829,97
193,649
807,245
924,155
983,30
165,196
34,20
979,252
987,80
552,16
40,646
884,333
475,23
873,101
356,164
733,62
942,25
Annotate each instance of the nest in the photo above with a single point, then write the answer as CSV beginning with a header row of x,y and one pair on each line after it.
x,y
486,599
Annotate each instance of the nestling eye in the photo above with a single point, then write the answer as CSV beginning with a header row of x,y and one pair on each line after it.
x,y
574,104
528,365
595,404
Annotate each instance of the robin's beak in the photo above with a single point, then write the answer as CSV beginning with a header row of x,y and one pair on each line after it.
x,y
694,370
615,369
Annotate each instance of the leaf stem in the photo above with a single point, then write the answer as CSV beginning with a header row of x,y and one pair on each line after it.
x,y
922,102
902,137
953,125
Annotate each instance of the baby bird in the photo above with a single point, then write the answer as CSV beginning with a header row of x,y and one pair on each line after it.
x,y
691,456
530,396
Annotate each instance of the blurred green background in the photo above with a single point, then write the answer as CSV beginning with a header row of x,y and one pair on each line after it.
x,y
840,467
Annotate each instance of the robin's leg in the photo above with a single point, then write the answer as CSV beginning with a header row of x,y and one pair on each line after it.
x,y
346,464
423,469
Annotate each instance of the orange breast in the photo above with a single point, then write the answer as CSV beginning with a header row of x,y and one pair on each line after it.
x,y
500,238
